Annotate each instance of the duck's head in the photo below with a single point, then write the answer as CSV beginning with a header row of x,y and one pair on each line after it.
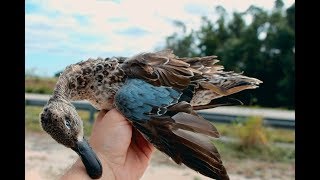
x,y
62,122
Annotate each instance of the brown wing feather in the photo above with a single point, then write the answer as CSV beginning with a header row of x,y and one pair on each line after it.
x,y
195,124
161,68
184,138
223,101
186,118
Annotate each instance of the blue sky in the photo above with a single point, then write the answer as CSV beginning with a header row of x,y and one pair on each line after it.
x,y
59,33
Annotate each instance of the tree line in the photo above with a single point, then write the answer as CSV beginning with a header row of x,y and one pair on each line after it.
x,y
263,48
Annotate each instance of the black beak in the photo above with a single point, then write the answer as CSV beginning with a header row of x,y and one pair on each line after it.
x,y
89,159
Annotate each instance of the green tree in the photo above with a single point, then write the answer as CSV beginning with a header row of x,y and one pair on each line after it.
x,y
263,48
182,45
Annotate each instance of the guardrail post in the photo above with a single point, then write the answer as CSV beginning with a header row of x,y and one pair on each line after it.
x,y
91,117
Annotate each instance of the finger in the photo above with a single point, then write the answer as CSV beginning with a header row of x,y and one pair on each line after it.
x,y
108,120
112,131
145,147
97,122
114,116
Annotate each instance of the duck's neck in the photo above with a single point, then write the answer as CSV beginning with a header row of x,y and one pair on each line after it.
x,y
61,91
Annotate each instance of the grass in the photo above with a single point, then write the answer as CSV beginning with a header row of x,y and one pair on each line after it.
x,y
272,134
40,85
264,153
196,178
255,142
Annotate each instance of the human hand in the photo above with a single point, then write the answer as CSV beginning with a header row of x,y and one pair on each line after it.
x,y
122,150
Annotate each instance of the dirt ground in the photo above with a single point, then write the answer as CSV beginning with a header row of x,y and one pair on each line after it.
x,y
46,159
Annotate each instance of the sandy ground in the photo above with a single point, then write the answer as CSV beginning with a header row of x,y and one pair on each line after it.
x,y
46,159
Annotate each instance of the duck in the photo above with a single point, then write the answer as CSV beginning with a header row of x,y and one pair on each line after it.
x,y
159,93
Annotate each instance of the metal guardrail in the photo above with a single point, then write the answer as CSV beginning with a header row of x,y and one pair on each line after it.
x,y
211,116
267,121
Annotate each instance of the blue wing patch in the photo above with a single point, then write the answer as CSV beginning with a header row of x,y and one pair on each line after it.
x,y
137,99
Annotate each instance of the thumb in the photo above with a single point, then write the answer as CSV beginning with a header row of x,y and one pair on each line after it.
x,y
111,132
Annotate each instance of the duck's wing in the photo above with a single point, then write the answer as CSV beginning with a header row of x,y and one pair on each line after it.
x,y
201,79
171,126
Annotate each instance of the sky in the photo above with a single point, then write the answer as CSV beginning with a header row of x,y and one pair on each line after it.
x,y
63,32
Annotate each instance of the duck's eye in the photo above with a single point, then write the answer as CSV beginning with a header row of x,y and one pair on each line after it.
x,y
67,123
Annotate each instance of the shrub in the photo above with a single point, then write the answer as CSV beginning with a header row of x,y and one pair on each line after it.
x,y
251,133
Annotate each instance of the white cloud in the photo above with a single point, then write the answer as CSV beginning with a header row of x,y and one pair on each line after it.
x,y
55,25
